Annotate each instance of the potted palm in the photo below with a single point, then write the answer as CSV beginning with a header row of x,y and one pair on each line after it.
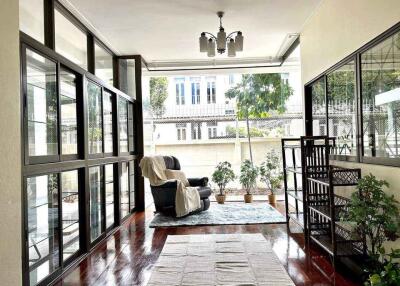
x,y
248,179
223,174
272,175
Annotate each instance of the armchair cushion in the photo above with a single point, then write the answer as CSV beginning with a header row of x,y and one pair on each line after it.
x,y
198,182
176,174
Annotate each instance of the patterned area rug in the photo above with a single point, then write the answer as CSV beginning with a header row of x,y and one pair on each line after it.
x,y
218,259
228,213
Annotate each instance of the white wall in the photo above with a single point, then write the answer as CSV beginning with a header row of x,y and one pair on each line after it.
x,y
339,27
335,30
10,148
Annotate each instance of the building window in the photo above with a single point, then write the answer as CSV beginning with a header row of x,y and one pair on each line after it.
x,y
212,129
69,130
108,121
70,213
195,86
95,118
109,188
41,105
95,202
211,91
196,130
123,125
318,107
103,64
31,18
70,41
180,91
124,194
342,116
43,226
181,131
380,86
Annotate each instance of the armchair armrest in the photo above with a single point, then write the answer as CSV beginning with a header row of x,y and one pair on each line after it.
x,y
164,195
198,182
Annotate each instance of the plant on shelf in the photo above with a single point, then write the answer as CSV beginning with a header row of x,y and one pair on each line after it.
x,y
223,174
376,218
271,174
248,179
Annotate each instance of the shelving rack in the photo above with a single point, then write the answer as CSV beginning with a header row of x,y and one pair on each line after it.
x,y
325,209
298,154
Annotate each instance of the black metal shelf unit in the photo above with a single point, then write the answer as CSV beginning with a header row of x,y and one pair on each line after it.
x,y
325,208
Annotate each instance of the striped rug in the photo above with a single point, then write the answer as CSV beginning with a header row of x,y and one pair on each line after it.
x,y
218,259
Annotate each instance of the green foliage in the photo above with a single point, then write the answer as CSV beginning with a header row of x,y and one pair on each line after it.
x,y
254,132
158,95
259,94
248,175
388,274
271,172
375,214
223,174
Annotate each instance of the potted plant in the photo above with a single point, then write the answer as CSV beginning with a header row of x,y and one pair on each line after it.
x,y
223,174
248,179
376,218
271,174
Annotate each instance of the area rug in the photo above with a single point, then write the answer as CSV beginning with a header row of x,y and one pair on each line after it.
x,y
218,259
228,213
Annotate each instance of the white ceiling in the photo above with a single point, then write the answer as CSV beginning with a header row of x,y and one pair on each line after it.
x,y
168,30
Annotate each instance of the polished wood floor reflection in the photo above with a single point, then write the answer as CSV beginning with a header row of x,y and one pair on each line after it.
x,y
127,257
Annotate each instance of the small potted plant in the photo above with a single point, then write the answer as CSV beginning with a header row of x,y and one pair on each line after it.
x,y
248,179
271,174
222,175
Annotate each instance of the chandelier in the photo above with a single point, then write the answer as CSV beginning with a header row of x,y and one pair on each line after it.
x,y
221,41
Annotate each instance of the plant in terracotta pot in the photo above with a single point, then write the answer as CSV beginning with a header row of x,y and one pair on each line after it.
x,y
376,217
248,179
271,174
223,174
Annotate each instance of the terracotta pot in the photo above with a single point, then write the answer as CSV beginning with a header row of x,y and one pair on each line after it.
x,y
248,198
272,199
220,198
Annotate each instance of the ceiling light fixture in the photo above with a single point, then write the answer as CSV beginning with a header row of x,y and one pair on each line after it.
x,y
221,41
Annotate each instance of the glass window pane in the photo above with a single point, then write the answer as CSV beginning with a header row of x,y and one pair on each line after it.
x,y
131,129
95,185
131,184
318,107
127,76
124,190
43,227
380,69
342,109
71,42
103,64
108,124
31,18
109,176
95,119
42,105
123,125
70,213
69,132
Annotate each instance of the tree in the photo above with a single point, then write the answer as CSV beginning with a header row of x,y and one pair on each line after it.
x,y
257,95
158,94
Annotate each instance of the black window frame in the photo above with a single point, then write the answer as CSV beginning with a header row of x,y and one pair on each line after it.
x,y
356,56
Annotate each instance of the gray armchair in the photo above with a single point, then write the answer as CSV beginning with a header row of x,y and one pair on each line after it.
x,y
164,195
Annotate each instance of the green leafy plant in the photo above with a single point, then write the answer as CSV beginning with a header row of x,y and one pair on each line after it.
x,y
389,272
223,174
258,96
248,175
271,173
375,214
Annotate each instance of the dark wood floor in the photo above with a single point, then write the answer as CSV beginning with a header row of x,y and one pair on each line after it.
x,y
128,256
